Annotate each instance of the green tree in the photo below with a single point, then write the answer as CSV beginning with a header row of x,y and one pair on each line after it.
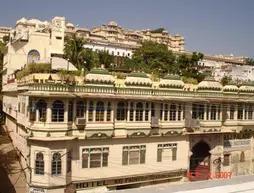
x,y
226,80
74,51
105,58
188,66
249,61
152,57
91,59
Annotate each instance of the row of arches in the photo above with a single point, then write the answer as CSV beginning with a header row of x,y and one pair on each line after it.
x,y
96,111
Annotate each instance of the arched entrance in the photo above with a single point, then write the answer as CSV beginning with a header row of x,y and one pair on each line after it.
x,y
200,162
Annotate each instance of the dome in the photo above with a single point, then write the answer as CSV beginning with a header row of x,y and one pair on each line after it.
x,y
247,87
209,84
99,75
171,81
22,20
69,25
112,23
230,88
138,79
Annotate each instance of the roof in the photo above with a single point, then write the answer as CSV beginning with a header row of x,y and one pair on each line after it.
x,y
138,79
171,81
99,76
209,84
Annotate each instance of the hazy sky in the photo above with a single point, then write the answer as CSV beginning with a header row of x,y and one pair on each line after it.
x,y
209,26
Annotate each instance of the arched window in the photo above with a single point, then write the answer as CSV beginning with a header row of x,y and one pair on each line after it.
x,y
58,111
99,116
41,106
172,112
33,56
39,164
80,109
56,164
121,111
139,112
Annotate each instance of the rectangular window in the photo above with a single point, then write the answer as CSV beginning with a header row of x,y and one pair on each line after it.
x,y
179,112
172,112
213,112
134,155
90,112
147,112
166,112
250,112
131,112
226,161
70,111
240,112
95,157
167,152
232,112
109,112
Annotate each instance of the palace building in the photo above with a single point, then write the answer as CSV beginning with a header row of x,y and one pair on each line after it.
x,y
101,131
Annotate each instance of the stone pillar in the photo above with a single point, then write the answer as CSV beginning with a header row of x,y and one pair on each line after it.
x,y
150,112
37,115
134,112
86,109
205,112
49,111
65,110
144,110
128,111
105,111
94,111
235,112
163,112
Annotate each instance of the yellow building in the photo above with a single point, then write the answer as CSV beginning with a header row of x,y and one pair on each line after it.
x,y
101,131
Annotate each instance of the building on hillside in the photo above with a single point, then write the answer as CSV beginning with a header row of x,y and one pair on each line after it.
x,y
33,41
230,66
121,42
104,132
4,32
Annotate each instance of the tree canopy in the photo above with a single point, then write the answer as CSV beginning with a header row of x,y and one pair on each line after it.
x,y
155,58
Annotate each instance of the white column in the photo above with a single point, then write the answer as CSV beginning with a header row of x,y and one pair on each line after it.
x,y
37,115
49,111
105,111
94,111
128,111
134,112
163,113
150,111
144,111
86,110
65,110
177,107
235,112
205,112
74,109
